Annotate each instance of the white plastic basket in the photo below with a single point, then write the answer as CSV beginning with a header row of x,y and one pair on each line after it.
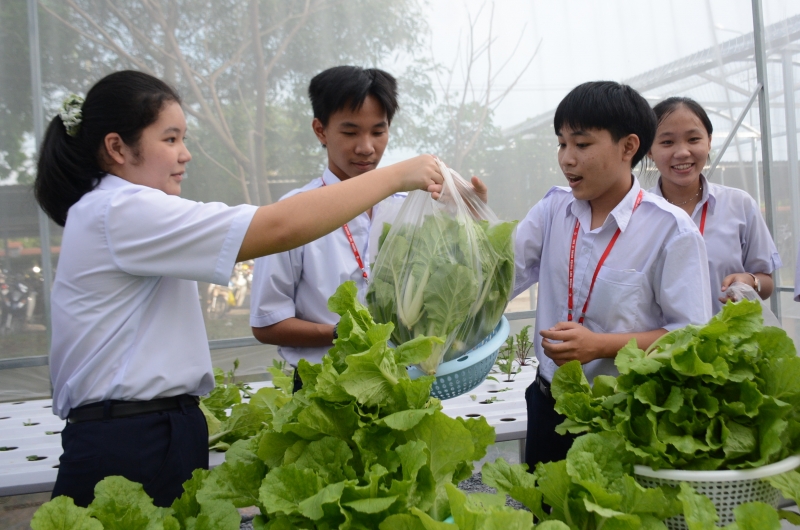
x,y
727,489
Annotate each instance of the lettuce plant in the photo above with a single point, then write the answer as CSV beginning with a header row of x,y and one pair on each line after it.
x,y
594,489
720,396
361,442
447,278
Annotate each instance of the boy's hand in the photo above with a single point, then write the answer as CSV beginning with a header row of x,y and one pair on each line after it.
x,y
421,173
577,343
481,189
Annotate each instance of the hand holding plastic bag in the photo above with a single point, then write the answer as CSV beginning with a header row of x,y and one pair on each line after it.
x,y
739,291
445,268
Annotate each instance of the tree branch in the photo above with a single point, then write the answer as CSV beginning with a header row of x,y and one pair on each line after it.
x,y
216,122
215,161
110,45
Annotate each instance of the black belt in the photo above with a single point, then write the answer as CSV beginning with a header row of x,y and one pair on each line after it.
x,y
106,410
544,387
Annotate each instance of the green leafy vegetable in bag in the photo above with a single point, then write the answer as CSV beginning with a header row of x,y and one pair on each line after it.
x,y
448,278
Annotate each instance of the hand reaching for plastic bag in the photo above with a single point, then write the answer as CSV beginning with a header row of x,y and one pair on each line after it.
x,y
422,172
480,189
473,195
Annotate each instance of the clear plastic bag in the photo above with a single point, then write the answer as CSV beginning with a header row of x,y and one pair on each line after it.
x,y
445,268
739,291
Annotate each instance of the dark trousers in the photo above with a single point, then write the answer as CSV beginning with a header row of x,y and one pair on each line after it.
x,y
159,450
543,443
298,383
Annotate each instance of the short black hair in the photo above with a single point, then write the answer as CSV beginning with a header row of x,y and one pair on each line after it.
x,y
611,106
335,88
670,105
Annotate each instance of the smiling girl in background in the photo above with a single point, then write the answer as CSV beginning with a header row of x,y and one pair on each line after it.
x,y
739,245
129,352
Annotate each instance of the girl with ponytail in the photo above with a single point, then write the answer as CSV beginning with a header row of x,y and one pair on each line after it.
x,y
129,354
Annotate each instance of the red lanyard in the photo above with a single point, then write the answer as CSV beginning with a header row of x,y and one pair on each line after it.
x,y
611,243
354,248
703,218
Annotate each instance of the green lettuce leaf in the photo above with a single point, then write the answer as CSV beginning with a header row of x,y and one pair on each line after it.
x,y
756,516
121,504
237,480
698,510
62,514
186,506
217,515
514,481
284,488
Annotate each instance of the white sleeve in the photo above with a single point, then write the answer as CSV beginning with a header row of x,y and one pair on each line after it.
x,y
150,233
682,289
275,280
528,247
759,253
797,276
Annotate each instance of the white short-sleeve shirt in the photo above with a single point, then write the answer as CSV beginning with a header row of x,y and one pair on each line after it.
x,y
797,277
737,238
298,283
656,275
126,316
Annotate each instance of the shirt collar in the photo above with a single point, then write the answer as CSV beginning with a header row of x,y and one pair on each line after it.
x,y
708,194
112,182
328,178
621,214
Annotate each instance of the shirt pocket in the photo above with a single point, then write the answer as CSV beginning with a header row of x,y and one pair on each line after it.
x,y
614,306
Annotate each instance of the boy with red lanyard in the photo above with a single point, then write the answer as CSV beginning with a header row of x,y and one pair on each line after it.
x,y
353,109
613,262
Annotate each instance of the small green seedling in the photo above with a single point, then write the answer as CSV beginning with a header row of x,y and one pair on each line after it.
x,y
231,376
523,346
282,375
505,360
515,350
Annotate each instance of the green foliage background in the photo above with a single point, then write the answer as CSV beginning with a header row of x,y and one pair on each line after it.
x,y
216,66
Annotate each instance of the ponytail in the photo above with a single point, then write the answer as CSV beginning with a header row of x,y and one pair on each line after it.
x,y
71,165
65,172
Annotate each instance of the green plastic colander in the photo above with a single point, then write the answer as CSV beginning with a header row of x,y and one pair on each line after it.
x,y
459,376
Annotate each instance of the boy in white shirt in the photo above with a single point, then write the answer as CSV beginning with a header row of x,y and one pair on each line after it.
x,y
353,109
613,262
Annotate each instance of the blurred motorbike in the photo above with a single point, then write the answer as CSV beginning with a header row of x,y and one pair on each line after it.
x,y
221,298
240,282
18,303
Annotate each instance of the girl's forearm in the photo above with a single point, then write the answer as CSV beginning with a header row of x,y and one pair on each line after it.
x,y
310,215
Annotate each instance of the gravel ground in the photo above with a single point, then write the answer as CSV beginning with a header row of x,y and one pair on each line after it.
x,y
474,485
471,485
